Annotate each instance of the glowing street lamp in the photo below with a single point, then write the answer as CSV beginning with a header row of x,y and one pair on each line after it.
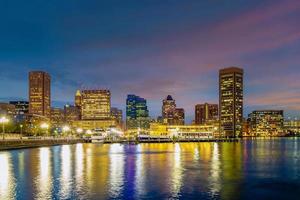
x,y
79,130
45,126
3,121
66,129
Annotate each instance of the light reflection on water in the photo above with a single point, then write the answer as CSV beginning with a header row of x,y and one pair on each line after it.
x,y
268,168
7,181
44,180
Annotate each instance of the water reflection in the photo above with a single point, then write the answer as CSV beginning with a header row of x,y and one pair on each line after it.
x,y
270,168
65,179
214,179
177,172
79,170
44,180
7,180
116,153
140,173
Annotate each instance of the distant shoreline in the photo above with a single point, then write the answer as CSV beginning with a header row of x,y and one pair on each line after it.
x,y
23,144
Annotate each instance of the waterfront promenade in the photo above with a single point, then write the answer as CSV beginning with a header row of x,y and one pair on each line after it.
x,y
31,142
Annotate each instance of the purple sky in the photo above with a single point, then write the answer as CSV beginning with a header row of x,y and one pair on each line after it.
x,y
153,48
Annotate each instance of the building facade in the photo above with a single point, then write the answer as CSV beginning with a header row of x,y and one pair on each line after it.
x,y
179,116
266,123
57,117
206,113
71,114
39,94
168,110
137,114
184,131
21,110
231,101
117,115
95,104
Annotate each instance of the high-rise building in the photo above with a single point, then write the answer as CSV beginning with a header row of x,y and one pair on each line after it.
x,y
39,94
78,99
266,122
117,115
231,101
206,113
137,114
95,104
178,116
168,110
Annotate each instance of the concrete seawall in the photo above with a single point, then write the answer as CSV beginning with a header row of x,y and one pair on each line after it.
x,y
29,143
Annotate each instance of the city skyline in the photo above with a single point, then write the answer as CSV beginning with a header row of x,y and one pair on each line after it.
x,y
181,59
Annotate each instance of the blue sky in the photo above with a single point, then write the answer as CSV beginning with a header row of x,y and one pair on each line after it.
x,y
153,48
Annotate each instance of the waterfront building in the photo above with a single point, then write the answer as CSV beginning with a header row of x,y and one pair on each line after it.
x,y
184,131
57,117
206,113
178,116
168,110
117,115
8,110
292,126
78,99
137,114
39,94
71,113
94,124
21,110
266,122
95,104
231,101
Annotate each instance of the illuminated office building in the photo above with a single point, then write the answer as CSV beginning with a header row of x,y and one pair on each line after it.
x,y
206,113
95,104
137,114
71,113
39,94
231,101
117,115
78,99
168,110
21,110
178,116
57,117
267,122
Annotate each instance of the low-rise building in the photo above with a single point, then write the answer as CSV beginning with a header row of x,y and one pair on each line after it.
x,y
157,129
266,123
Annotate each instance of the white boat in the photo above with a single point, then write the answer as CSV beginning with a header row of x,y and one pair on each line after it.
x,y
97,139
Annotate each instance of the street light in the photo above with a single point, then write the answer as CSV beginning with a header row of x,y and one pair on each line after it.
x,y
65,129
21,127
45,126
79,131
3,121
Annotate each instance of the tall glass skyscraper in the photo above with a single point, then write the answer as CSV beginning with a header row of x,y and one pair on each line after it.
x,y
231,101
137,114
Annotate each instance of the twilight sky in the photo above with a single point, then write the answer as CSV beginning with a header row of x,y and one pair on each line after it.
x,y
153,48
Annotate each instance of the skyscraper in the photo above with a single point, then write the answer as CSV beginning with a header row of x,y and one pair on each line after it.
x,y
168,110
137,114
231,101
39,94
78,99
205,113
95,104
